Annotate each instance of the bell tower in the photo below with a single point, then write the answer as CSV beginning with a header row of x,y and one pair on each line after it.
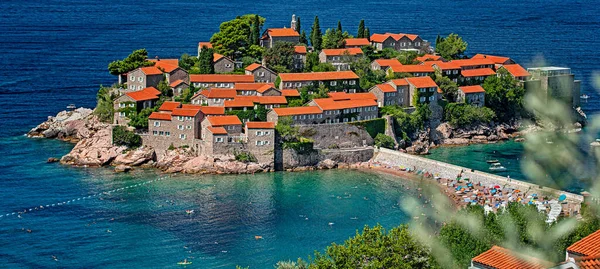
x,y
293,24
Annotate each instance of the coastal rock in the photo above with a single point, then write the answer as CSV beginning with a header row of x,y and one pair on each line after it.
x,y
520,139
97,150
198,165
326,164
122,168
65,125
52,160
135,157
174,160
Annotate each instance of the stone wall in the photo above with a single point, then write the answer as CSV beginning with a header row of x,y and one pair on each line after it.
x,y
337,135
347,155
445,170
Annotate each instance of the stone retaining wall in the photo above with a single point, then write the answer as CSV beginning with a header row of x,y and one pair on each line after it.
x,y
445,170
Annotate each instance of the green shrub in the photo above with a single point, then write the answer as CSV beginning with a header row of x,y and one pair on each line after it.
x,y
373,127
124,137
245,157
407,124
171,147
460,115
304,145
385,141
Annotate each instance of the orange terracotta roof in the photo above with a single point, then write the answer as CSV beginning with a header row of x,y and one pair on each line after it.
x,y
149,93
251,86
428,57
219,93
212,110
224,120
205,44
213,78
317,76
388,62
266,88
271,100
422,82
479,72
168,65
301,110
151,70
253,67
341,52
588,246
385,87
399,82
471,89
169,106
160,116
280,32
260,125
217,130
495,59
589,262
516,70
338,96
176,83
443,65
357,42
191,106
185,112
300,49
217,57
331,104
238,102
501,258
290,93
379,38
473,62
412,69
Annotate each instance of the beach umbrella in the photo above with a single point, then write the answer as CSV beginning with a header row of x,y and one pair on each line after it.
x,y
497,187
562,197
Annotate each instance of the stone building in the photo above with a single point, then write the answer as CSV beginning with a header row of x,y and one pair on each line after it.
x,y
413,70
178,87
500,60
266,89
213,97
273,35
335,81
386,94
223,64
474,95
178,128
385,64
231,123
144,77
447,69
337,110
261,73
260,137
300,115
554,83
340,58
299,57
426,89
133,102
516,71
207,81
400,42
475,76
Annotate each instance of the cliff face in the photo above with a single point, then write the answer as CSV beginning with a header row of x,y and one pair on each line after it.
x,y
69,126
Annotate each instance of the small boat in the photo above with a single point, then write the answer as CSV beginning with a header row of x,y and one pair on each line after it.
x,y
184,262
584,96
497,167
492,161
71,107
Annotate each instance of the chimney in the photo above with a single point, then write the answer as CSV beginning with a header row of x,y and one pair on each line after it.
x,y
157,59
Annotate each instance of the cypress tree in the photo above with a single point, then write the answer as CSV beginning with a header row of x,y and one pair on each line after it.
x,y
303,39
367,33
316,36
361,29
206,61
256,31
298,26
339,27
438,40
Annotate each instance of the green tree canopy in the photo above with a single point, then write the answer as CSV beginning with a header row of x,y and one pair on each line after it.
x,y
407,57
361,29
255,40
449,88
303,39
504,95
205,63
312,60
334,39
382,140
367,33
187,61
316,36
104,107
234,36
451,47
280,57
136,59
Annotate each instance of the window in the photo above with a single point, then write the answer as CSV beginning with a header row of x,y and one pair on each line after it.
x,y
333,83
122,114
431,98
230,127
219,139
298,84
168,133
431,89
422,99
155,132
261,74
267,133
141,79
227,65
157,124
360,109
455,72
121,105
132,78
259,133
204,85
182,136
422,89
345,119
139,87
180,118
161,133
352,82
180,127
132,87
320,116
188,127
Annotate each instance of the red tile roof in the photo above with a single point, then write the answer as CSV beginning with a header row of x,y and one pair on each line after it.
x,y
337,96
185,112
501,258
238,102
169,106
301,110
205,44
300,49
176,83
473,62
399,82
168,65
160,116
341,52
151,70
251,86
331,104
317,76
265,88
443,65
217,130
479,72
190,106
213,110
588,246
219,93
388,62
253,67
516,70
379,38
428,57
224,120
589,262
412,69
422,82
213,78
260,125
290,93
281,32
495,59
385,87
271,100
471,89
357,42
149,93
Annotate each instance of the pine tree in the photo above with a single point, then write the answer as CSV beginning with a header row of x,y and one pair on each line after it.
x,y
303,39
206,61
316,36
339,27
255,31
438,40
367,33
361,29
298,26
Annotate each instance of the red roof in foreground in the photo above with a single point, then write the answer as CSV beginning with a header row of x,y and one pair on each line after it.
x,y
151,70
422,82
300,49
149,93
341,52
238,102
290,93
282,32
357,42
479,72
399,82
252,86
176,83
169,106
501,258
317,76
224,120
496,59
253,67
185,112
385,87
160,116
168,65
301,110
428,57
331,104
217,130
516,70
471,89
588,246
388,62
260,125
219,93
590,262
212,78
338,96
412,69
213,110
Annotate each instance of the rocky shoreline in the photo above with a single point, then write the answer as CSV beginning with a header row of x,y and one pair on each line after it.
x,y
94,148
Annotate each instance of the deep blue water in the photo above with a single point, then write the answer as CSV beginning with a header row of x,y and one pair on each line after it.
x,y
54,53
